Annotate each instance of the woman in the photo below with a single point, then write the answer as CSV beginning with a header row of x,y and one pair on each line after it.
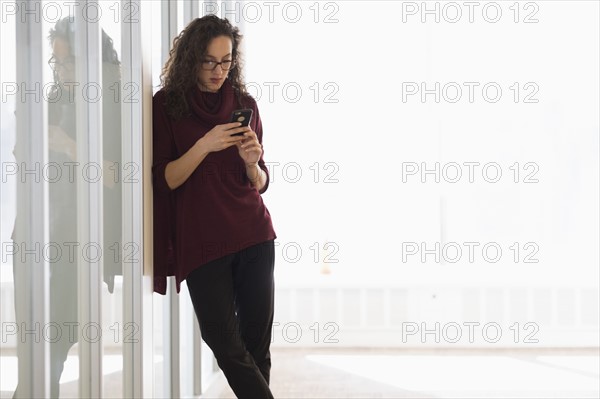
x,y
211,227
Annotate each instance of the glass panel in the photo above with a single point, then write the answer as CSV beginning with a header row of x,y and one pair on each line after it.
x,y
59,51
56,169
162,386
8,208
115,331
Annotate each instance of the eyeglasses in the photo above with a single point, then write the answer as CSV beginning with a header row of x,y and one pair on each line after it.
x,y
209,65
54,63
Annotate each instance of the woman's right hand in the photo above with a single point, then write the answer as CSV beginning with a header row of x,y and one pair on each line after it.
x,y
219,138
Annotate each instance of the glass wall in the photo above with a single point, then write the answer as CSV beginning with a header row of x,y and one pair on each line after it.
x,y
72,248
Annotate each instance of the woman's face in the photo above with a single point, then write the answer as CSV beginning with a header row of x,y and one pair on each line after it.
x,y
64,63
218,50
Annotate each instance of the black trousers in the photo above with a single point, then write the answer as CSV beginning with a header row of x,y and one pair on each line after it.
x,y
233,298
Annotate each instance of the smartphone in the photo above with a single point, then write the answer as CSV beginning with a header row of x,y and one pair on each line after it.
x,y
241,115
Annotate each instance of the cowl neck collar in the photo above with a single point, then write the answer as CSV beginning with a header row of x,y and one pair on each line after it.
x,y
214,108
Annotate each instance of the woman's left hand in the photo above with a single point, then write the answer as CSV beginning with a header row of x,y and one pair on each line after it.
x,y
250,149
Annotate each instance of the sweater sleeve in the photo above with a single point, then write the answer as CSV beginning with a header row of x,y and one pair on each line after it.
x,y
163,151
163,143
259,134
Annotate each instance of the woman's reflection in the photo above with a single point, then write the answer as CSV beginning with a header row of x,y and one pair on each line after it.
x,y
64,99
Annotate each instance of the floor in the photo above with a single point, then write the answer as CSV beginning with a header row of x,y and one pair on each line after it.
x,y
434,373
395,373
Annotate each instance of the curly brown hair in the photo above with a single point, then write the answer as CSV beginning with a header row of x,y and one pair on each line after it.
x,y
180,73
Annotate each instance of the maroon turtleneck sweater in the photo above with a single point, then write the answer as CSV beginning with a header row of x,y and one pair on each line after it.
x,y
217,211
